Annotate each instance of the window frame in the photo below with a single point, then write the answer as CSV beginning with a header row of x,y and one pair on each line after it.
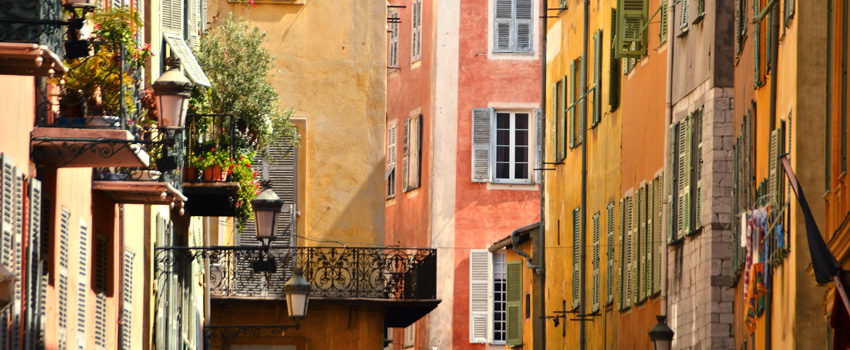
x,y
514,31
498,258
532,137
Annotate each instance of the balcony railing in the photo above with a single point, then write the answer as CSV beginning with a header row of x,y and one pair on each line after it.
x,y
334,273
33,21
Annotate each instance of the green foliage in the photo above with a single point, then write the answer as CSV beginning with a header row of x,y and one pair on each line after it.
x,y
237,65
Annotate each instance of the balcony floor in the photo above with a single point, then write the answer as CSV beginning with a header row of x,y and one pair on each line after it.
x,y
86,148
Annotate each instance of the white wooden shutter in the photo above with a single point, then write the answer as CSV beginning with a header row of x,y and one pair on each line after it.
x,y
100,320
524,25
503,40
172,16
193,24
538,149
480,284
405,172
64,263
32,328
82,285
482,120
162,302
17,307
7,234
513,304
410,336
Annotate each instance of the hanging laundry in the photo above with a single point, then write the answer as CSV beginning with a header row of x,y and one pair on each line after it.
x,y
780,237
743,229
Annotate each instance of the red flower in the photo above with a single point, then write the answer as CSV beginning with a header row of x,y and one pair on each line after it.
x,y
248,165
240,158
231,166
213,149
222,130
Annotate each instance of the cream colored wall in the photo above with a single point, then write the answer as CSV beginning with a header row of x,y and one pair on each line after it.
x,y
332,60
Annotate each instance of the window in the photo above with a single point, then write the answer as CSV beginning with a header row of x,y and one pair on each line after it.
x,y
595,261
410,336
513,26
495,296
684,17
662,31
411,164
631,36
500,284
391,160
613,67
576,253
502,143
416,40
685,196
392,61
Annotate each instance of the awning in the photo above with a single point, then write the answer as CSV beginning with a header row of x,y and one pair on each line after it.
x,y
187,59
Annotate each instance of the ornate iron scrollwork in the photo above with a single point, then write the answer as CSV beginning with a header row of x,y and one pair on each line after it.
x,y
216,336
381,273
27,21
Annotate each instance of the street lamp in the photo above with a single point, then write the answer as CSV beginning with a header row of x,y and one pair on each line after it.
x,y
266,206
297,294
172,91
661,335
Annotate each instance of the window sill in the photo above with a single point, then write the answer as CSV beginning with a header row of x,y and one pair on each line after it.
x,y
684,32
699,18
512,186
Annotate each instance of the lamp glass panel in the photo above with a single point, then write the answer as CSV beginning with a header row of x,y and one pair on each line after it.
x,y
172,110
662,344
265,221
297,304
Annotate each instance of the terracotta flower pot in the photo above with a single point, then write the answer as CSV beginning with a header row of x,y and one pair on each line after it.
x,y
190,174
213,173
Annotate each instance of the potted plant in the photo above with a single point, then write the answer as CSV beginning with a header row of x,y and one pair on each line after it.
x,y
214,163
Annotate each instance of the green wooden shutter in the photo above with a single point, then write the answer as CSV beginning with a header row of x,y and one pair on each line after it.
x,y
768,41
613,67
647,243
571,100
696,158
683,190
780,171
621,256
514,304
658,241
738,19
662,27
735,210
630,22
789,11
756,47
684,20
635,242
539,146
629,253
672,186
405,167
595,298
582,90
576,253
610,242
556,136
481,135
640,231
562,123
597,78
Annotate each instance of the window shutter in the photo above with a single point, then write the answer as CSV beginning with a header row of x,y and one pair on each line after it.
x,y
514,304
82,286
658,241
539,146
684,20
563,128
595,298
504,16
610,250
672,186
127,300
418,145
576,253
772,178
15,263
100,321
393,62
7,225
635,223
682,217
194,24
582,113
613,67
622,254
172,16
415,143
662,31
557,135
480,273
64,261
768,41
789,11
738,25
597,78
391,146
524,25
640,236
696,158
780,171
405,157
630,21
629,254
410,336
571,101
34,267
756,47
162,301
482,119
648,249
735,210
416,42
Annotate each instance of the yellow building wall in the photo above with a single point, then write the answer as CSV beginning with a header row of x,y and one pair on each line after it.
x,y
331,57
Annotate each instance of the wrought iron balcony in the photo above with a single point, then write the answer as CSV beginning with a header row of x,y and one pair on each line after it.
x,y
37,22
393,274
210,190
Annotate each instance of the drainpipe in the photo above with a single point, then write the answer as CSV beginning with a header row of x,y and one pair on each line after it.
x,y
774,73
539,332
671,6
582,239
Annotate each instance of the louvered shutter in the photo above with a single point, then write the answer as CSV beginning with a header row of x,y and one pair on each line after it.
x,y
282,167
416,45
393,61
7,235
563,128
571,101
539,155
697,166
597,78
610,250
405,158
629,255
595,298
622,254
64,263
780,171
756,47
480,265
417,154
630,21
640,236
613,67
482,119
582,113
172,16
504,15
684,19
161,300
768,40
772,166
391,159
576,253
127,300
662,31
34,267
789,11
410,336
82,286
557,134
683,192
738,19
658,241
524,25
194,24
100,321
513,305
672,186
17,307
647,239
635,242
735,210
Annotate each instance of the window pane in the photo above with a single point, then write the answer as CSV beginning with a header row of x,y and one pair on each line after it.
x,y
521,170
521,138
521,121
503,120
503,154
521,155
503,171
503,137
